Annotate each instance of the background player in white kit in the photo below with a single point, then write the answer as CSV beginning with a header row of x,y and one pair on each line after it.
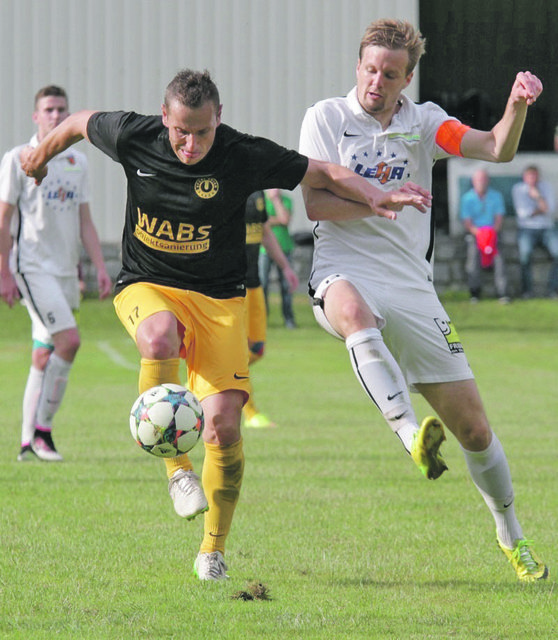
x,y
40,232
372,278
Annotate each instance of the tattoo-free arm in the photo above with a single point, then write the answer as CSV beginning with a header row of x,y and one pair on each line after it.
x,y
8,287
501,142
68,132
90,240
333,192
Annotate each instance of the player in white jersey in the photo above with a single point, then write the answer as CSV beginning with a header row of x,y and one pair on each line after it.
x,y
40,232
372,277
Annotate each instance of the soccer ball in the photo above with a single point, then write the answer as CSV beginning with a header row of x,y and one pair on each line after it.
x,y
166,420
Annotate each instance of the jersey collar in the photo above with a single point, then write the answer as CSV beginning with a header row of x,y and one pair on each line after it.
x,y
361,115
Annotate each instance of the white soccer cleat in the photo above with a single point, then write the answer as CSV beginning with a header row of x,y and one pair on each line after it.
x,y
187,495
43,447
210,566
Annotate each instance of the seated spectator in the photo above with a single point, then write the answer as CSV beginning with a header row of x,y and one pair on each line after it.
x,y
534,203
482,212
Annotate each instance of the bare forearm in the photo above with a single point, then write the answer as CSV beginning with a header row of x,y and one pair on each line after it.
x,y
6,212
501,143
71,130
273,248
338,180
345,184
507,132
95,253
91,243
469,226
324,205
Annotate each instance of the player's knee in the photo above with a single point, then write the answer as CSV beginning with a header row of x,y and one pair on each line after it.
x,y
67,344
158,346
473,435
352,313
159,337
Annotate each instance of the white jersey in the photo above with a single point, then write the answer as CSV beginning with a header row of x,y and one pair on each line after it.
x,y
338,130
46,223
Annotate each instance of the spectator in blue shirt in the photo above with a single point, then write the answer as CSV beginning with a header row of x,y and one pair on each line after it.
x,y
482,213
534,204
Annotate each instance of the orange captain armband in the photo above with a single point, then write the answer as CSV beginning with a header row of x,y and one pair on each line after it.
x,y
449,136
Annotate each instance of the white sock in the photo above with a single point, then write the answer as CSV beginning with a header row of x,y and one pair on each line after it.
x,y
491,474
30,402
54,385
382,379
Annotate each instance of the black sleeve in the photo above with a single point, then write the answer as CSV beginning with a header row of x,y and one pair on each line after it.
x,y
104,129
278,166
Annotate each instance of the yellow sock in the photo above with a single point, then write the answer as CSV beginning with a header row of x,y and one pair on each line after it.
x,y
180,462
152,373
223,469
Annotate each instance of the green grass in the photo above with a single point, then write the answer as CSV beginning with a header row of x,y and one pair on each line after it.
x,y
334,519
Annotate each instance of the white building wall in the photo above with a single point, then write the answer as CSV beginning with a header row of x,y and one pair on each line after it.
x,y
270,59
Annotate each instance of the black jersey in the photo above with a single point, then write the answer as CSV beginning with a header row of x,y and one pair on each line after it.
x,y
256,217
185,224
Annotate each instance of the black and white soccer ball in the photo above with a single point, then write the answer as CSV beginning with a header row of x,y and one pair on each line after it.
x,y
166,420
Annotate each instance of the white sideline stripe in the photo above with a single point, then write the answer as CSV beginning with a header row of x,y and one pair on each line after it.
x,y
115,356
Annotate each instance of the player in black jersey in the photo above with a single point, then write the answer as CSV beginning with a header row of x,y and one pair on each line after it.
x,y
181,289
258,232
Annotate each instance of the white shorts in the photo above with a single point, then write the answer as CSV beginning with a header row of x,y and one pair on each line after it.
x,y
415,327
51,301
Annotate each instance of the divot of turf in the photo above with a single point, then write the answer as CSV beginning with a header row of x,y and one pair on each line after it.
x,y
254,591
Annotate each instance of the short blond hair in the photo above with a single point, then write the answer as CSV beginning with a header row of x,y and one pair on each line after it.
x,y
394,34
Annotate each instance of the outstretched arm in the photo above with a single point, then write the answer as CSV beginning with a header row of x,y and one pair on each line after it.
x,y
347,185
500,144
68,132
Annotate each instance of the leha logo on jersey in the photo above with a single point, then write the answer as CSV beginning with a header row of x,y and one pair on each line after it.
x,y
383,172
61,195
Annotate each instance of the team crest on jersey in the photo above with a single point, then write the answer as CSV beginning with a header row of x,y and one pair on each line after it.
x,y
450,334
206,188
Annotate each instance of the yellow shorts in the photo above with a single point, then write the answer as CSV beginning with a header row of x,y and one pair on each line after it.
x,y
256,314
214,344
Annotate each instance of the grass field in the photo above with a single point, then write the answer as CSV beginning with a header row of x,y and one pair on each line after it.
x,y
334,518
